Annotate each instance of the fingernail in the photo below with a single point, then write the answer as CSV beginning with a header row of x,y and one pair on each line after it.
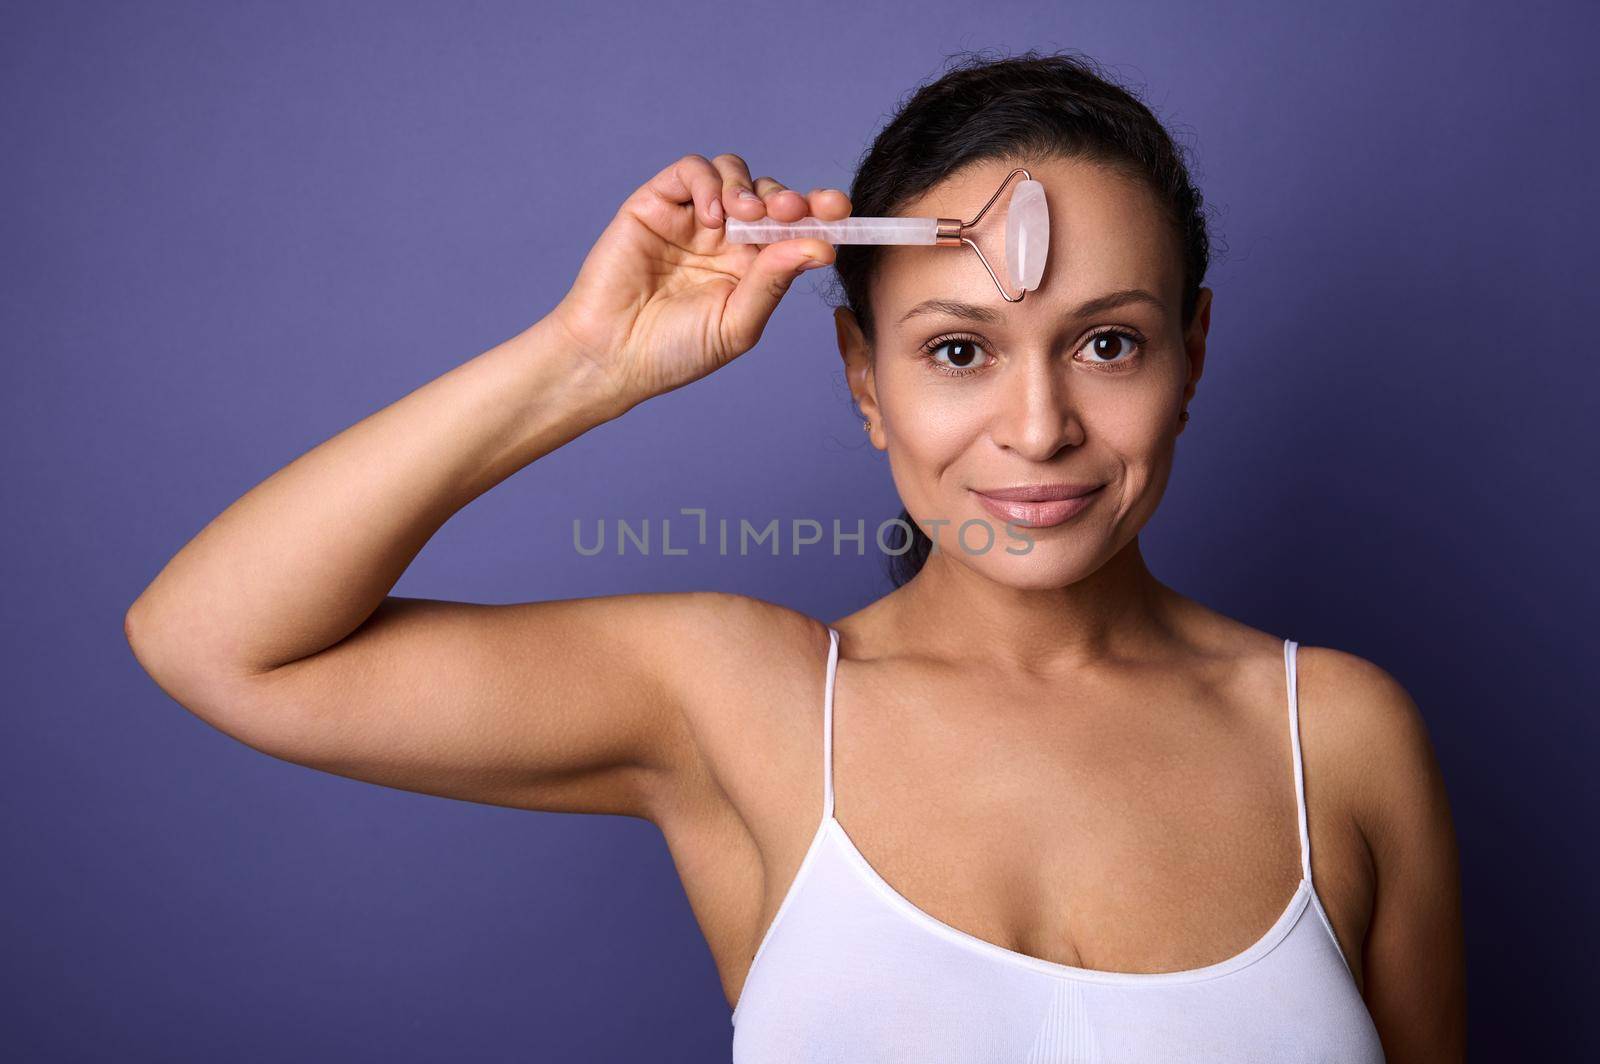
x,y
715,209
811,264
745,193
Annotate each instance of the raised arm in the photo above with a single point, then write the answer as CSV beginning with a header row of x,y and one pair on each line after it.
x,y
275,624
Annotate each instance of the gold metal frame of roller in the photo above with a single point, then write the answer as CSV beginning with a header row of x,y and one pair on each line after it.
x,y
950,233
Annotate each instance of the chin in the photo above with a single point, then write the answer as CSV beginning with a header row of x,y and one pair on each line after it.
x,y
1049,565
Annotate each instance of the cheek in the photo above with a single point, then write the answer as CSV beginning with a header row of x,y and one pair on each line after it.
x,y
929,425
930,430
1138,431
1130,423
1134,417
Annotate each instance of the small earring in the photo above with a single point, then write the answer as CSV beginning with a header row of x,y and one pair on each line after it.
x,y
1183,415
866,425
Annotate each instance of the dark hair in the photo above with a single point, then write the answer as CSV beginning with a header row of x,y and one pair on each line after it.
x,y
1022,107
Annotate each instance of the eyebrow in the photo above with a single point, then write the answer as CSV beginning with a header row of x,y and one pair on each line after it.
x,y
989,315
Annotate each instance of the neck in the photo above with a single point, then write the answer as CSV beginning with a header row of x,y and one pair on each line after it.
x,y
1117,611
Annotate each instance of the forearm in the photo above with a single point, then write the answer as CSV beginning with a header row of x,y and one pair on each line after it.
x,y
302,559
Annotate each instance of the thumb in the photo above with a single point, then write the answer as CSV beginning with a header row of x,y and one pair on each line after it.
x,y
755,297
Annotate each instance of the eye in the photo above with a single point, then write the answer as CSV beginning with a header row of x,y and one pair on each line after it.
x,y
964,355
1113,347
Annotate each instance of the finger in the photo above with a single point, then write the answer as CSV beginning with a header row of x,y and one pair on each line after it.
x,y
692,179
743,200
738,190
755,297
784,204
829,204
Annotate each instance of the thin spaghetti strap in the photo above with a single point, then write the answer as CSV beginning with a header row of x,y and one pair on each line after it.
x,y
827,725
1291,654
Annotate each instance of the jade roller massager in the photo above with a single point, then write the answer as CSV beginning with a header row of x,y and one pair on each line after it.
x,y
1027,233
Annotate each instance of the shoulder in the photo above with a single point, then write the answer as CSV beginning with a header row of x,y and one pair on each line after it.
x,y
1376,747
1361,723
728,636
743,673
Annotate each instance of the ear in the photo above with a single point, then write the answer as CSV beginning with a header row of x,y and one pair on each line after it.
x,y
1194,344
857,356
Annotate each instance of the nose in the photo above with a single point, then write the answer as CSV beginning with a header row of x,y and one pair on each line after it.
x,y
1035,414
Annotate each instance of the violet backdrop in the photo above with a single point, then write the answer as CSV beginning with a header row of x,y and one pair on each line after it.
x,y
232,230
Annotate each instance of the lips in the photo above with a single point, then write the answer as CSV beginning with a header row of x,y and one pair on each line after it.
x,y
1040,505
1038,492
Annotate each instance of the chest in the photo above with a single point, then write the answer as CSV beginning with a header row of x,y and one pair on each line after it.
x,y
1137,831
1124,845
850,969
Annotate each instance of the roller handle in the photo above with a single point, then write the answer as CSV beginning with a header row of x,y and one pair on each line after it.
x,y
843,231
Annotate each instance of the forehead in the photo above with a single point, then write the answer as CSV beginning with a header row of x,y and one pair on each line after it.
x,y
1107,233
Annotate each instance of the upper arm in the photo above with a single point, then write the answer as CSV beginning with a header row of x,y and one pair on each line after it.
x,y
572,705
1413,956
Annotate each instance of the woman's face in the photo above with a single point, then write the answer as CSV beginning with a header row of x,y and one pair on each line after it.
x,y
1081,382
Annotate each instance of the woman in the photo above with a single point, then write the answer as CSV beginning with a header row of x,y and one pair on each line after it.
x,y
1066,812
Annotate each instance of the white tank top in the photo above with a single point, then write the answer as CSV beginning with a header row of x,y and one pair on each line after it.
x,y
850,970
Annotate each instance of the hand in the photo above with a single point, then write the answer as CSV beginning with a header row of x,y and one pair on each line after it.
x,y
663,298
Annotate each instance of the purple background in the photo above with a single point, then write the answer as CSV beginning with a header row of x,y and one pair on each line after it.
x,y
232,231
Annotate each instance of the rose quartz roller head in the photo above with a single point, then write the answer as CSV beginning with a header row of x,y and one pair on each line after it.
x,y
1027,233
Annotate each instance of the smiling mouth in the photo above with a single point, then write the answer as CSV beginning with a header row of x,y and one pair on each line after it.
x,y
1054,504
1039,492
